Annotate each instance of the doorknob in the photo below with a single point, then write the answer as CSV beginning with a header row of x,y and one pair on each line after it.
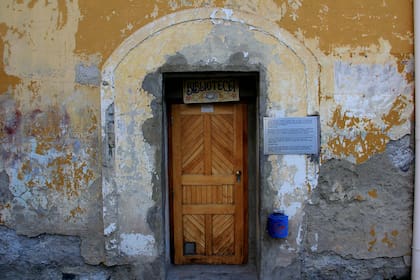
x,y
238,176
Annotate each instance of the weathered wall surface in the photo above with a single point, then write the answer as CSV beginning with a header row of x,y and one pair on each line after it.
x,y
357,213
81,137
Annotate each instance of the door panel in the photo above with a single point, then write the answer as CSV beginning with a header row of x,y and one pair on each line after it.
x,y
209,203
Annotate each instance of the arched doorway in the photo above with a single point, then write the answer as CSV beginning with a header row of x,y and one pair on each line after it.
x,y
135,172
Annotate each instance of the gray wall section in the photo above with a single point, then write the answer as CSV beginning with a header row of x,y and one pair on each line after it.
x,y
361,217
53,257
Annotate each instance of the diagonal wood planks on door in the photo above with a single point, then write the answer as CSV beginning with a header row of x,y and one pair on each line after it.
x,y
209,197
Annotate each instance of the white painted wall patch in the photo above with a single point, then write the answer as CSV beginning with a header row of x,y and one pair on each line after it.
x,y
110,229
136,244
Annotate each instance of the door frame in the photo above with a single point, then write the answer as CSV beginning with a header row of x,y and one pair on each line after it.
x,y
250,97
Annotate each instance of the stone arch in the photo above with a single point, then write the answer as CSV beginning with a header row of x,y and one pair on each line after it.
x,y
132,175
215,15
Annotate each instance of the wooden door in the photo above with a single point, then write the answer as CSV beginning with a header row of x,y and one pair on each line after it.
x,y
209,215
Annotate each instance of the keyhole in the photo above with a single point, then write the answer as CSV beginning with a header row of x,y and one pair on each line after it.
x,y
238,176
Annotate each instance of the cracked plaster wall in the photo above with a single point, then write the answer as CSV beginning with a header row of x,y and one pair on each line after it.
x,y
360,73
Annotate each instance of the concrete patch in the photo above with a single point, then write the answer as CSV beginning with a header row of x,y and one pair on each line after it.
x,y
358,212
401,153
87,75
330,266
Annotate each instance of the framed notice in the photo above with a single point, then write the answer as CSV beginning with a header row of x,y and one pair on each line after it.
x,y
210,90
291,135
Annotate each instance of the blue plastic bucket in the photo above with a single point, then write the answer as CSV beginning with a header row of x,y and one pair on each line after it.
x,y
278,225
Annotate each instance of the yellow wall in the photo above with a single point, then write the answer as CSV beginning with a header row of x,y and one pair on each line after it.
x,y
42,41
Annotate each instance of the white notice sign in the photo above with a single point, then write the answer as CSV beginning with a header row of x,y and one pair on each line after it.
x,y
291,135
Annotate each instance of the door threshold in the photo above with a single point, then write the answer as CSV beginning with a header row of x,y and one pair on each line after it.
x,y
209,272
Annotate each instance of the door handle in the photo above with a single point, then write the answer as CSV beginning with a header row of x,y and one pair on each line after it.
x,y
238,176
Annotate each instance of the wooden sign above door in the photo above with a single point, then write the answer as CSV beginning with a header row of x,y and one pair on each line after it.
x,y
210,90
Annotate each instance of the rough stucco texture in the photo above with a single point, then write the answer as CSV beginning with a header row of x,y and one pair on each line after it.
x,y
357,213
353,207
362,207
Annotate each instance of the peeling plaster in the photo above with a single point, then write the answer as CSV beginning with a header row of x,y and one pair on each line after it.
x,y
287,59
289,180
367,90
26,49
374,104
360,23
356,57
